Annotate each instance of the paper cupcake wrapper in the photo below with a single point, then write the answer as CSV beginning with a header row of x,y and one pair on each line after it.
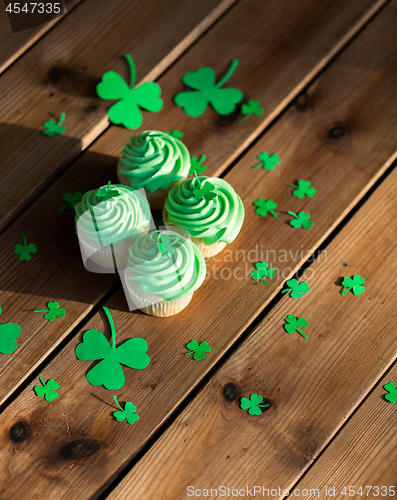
x,y
109,259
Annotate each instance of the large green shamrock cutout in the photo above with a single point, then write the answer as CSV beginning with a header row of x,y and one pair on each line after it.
x,y
251,108
303,189
196,165
198,350
204,191
127,414
109,372
265,207
392,390
207,91
297,289
53,128
268,162
127,111
253,404
295,324
262,271
301,220
53,311
71,199
9,332
106,193
354,284
25,250
48,390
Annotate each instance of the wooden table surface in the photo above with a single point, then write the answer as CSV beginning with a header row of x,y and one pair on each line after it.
x,y
325,73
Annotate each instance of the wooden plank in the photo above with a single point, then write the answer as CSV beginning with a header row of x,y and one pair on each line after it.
x,y
313,385
77,416
278,59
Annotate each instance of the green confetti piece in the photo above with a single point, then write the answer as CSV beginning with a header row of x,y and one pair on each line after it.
x,y
9,332
176,134
262,271
392,392
295,324
127,110
251,108
128,413
48,390
196,165
206,91
297,289
198,350
106,193
301,220
53,311
25,250
354,284
109,372
71,199
303,189
204,190
253,404
265,207
266,161
52,128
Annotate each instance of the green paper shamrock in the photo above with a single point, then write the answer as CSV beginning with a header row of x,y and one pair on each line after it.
x,y
8,333
265,207
127,414
53,311
303,189
53,128
295,324
176,134
207,91
253,404
127,111
301,220
71,199
196,165
262,271
106,193
204,191
354,284
392,390
268,162
251,108
198,350
108,372
164,245
297,289
25,250
48,389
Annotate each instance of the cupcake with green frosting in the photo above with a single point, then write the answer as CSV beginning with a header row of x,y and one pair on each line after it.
x,y
155,161
108,221
209,209
163,271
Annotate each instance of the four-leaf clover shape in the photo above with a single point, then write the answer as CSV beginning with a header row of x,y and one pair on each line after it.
x,y
295,324
25,250
48,390
265,207
52,128
53,311
108,372
198,350
127,111
392,392
71,199
106,193
251,108
354,284
303,189
206,91
268,162
196,165
253,404
9,332
301,220
262,271
297,289
128,413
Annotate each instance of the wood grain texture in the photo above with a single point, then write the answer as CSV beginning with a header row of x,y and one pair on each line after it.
x,y
313,385
79,421
278,58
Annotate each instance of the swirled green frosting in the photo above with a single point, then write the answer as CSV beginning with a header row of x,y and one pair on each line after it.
x,y
219,219
114,220
168,274
154,160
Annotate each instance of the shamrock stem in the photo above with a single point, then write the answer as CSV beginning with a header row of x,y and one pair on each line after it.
x,y
229,73
63,208
273,213
131,65
286,290
263,406
347,290
117,403
301,332
245,117
112,328
187,353
198,180
257,165
24,241
293,215
41,380
292,186
61,118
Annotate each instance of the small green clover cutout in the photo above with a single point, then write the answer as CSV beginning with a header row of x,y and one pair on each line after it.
x,y
253,404
106,193
354,284
392,392
266,161
251,108
176,134
301,220
164,245
53,311
127,111
71,199
108,372
196,165
53,128
127,414
265,207
198,350
48,390
9,332
297,289
25,250
303,189
204,191
295,324
262,271
206,91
